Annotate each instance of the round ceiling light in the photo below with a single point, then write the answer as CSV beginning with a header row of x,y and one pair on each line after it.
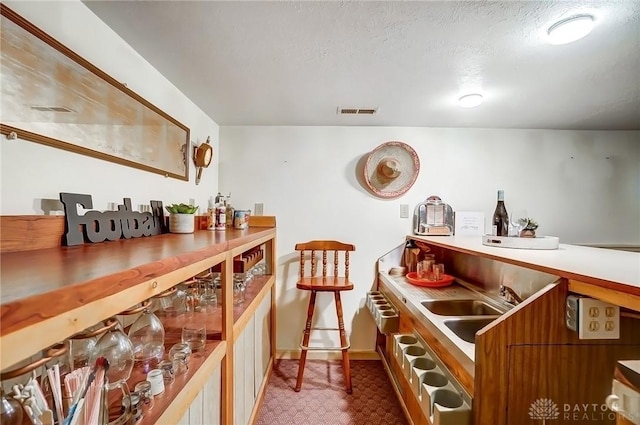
x,y
470,100
570,29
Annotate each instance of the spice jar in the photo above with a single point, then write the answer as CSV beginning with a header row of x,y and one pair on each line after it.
x,y
179,363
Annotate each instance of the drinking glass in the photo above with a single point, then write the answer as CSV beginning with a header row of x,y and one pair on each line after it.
x,y
195,336
514,221
438,271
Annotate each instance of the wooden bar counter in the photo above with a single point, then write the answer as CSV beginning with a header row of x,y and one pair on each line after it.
x,y
526,353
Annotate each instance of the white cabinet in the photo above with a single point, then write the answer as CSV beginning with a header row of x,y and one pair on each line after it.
x,y
251,356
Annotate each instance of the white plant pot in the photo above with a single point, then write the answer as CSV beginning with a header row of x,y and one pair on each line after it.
x,y
182,223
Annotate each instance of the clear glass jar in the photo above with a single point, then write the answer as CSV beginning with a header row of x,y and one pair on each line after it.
x,y
147,336
208,300
180,365
180,347
168,374
146,397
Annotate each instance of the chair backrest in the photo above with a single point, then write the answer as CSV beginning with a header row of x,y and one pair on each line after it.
x,y
325,246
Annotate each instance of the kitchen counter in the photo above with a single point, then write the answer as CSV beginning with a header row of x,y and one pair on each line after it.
x,y
607,274
531,335
414,295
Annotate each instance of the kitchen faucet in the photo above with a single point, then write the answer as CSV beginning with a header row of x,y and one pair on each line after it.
x,y
510,295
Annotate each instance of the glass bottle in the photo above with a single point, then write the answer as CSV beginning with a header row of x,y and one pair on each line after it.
x,y
147,337
500,226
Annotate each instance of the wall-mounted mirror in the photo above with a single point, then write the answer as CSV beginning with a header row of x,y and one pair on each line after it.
x,y
50,95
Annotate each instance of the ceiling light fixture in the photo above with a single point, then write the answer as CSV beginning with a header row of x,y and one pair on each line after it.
x,y
470,100
570,29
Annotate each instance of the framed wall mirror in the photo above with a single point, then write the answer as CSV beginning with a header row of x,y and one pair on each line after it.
x,y
51,95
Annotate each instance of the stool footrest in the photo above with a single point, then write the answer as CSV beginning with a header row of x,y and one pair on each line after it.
x,y
324,329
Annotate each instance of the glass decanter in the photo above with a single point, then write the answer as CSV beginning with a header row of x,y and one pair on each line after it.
x,y
10,410
117,348
147,336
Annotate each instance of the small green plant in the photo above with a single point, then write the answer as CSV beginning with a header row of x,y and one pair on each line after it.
x,y
528,224
181,209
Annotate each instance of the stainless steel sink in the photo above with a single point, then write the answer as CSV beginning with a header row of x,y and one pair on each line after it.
x,y
470,307
466,329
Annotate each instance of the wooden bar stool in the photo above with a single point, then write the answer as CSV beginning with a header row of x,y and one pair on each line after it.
x,y
326,283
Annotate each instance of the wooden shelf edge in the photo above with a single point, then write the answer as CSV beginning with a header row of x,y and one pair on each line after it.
x,y
241,322
622,299
182,401
30,339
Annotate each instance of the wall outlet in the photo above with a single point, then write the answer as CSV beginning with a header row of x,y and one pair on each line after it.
x,y
258,209
593,319
404,210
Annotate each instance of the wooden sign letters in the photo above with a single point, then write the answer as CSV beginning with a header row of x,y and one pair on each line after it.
x,y
96,226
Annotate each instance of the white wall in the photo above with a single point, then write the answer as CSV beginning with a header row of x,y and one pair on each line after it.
x,y
31,172
582,186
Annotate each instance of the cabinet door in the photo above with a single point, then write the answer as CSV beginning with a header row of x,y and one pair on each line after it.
x,y
249,369
238,380
565,384
211,399
262,341
195,410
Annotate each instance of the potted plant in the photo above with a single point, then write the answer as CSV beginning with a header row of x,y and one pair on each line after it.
x,y
528,226
181,218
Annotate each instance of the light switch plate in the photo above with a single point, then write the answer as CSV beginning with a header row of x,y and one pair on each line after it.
x,y
404,210
258,209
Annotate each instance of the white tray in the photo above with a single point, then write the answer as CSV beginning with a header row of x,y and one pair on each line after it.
x,y
539,242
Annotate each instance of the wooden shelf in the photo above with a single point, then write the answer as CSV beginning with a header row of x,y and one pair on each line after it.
x,y
50,293
169,406
94,281
258,288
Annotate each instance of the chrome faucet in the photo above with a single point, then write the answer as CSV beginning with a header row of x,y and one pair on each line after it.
x,y
510,295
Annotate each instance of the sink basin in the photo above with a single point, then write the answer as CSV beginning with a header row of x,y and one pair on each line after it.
x,y
460,308
466,328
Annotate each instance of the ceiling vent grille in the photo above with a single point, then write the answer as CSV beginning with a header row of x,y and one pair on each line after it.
x,y
357,111
51,109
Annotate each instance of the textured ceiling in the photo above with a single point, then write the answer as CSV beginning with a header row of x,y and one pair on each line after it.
x,y
295,62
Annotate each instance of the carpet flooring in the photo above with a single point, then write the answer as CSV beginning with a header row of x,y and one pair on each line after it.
x,y
323,399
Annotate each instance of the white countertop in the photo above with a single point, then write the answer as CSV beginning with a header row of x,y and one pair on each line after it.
x,y
598,266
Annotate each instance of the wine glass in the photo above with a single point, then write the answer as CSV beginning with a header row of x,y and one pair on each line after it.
x,y
515,220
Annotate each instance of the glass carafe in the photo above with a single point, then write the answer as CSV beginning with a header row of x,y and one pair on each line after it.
x,y
117,348
10,410
82,345
147,336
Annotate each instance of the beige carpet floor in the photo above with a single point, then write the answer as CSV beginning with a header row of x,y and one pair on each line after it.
x,y
323,399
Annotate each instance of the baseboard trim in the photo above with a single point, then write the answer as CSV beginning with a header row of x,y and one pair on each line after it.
x,y
328,355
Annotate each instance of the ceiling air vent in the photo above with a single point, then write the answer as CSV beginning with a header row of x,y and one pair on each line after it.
x,y
51,109
357,111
